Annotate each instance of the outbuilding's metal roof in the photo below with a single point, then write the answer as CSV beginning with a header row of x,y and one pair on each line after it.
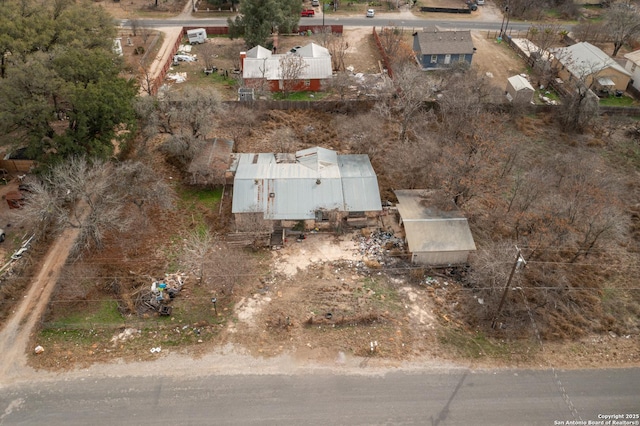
x,y
431,225
518,82
319,179
262,63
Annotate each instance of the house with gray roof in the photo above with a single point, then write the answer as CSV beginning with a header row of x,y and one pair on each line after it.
x,y
435,48
263,68
436,232
314,185
587,63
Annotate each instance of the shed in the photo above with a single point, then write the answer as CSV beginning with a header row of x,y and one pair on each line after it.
x,y
519,89
436,232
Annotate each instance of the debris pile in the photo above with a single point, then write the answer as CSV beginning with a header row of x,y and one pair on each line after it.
x,y
379,245
161,293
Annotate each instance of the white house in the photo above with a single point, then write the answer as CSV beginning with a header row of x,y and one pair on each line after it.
x,y
633,66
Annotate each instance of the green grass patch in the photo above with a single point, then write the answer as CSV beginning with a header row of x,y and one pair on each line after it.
x,y
553,13
477,345
206,197
300,96
98,314
622,101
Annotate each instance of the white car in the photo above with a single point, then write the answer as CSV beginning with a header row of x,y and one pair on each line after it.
x,y
370,13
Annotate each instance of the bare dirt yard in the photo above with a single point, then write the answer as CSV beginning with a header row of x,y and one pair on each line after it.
x,y
496,60
329,298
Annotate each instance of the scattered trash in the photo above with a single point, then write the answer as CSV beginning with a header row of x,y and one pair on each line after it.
x,y
156,350
38,350
378,245
178,77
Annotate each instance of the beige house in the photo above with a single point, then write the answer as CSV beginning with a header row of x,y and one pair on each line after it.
x,y
589,64
633,66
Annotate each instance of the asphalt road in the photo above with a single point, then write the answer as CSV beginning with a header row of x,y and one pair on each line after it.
x,y
346,21
454,397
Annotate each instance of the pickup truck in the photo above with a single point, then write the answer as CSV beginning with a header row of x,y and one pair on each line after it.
x,y
308,13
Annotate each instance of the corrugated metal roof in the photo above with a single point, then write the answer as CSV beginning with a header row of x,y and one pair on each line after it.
x,y
297,190
258,52
435,42
518,82
313,50
359,184
261,63
430,228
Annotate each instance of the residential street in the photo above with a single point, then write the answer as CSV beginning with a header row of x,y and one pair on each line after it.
x,y
443,397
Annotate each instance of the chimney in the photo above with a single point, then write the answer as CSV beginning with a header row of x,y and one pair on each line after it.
x,y
242,56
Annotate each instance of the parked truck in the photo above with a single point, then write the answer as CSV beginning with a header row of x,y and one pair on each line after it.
x,y
197,36
309,13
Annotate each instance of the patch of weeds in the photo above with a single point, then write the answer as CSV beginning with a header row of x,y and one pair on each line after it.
x,y
475,345
378,291
94,315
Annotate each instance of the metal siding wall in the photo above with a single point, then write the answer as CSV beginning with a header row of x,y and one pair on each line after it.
x,y
441,258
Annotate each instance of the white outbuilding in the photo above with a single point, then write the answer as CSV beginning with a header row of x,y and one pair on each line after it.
x,y
519,89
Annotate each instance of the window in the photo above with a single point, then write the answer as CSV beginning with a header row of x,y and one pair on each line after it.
x,y
307,83
447,59
434,59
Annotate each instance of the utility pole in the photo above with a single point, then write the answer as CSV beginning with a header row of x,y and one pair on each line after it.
x,y
519,261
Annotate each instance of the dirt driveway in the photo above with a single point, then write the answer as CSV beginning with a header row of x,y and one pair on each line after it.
x,y
495,59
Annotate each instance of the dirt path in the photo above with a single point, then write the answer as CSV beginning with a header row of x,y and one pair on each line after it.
x,y
16,333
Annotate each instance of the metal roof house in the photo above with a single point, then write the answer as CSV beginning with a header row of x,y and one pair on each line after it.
x,y
304,186
436,232
261,66
436,48
586,62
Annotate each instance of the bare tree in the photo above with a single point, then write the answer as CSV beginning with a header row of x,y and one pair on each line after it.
x,y
623,23
91,196
145,33
394,46
283,139
145,78
590,31
337,46
197,246
341,83
184,117
412,89
291,68
207,53
135,26
580,102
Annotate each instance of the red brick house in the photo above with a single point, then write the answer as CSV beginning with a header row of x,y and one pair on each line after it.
x,y
262,69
